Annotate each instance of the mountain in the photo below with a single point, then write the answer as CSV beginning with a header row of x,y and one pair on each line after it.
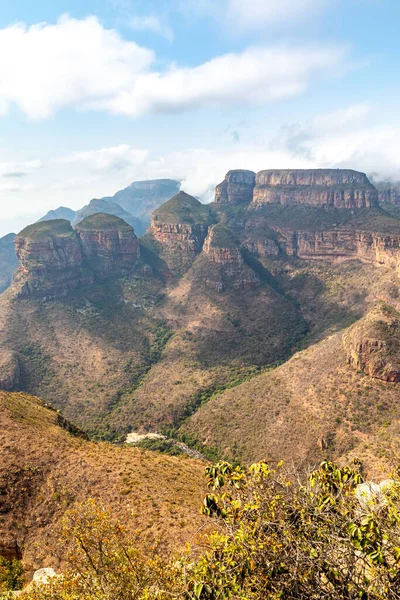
x,y
8,261
111,208
47,466
238,306
141,198
59,213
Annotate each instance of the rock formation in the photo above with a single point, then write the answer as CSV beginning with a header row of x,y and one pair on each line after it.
x,y
51,261
340,188
237,188
224,266
108,243
372,344
180,226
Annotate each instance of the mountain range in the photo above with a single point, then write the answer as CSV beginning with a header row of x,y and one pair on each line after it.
x,y
264,325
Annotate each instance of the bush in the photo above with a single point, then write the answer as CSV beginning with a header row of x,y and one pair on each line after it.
x,y
276,536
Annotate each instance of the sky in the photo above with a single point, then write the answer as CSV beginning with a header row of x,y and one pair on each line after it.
x,y
95,94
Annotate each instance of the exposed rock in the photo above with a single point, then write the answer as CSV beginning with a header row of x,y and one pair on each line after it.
x,y
61,212
237,188
108,243
51,260
340,188
180,226
372,344
9,370
8,261
10,550
108,207
226,266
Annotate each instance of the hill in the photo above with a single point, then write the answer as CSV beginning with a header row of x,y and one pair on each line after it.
x,y
59,213
108,207
8,261
47,467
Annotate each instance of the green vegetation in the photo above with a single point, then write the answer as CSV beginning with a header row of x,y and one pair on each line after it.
x,y
103,221
160,445
276,534
183,208
311,218
47,229
222,237
11,575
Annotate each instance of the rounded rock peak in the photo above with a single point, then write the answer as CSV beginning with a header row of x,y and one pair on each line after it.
x,y
103,222
45,230
182,209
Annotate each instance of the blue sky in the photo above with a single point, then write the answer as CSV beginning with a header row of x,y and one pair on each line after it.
x,y
96,94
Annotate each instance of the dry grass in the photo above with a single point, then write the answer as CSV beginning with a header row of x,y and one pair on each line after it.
x,y
44,471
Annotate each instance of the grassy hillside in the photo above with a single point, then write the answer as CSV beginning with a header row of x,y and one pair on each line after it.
x,y
44,470
313,406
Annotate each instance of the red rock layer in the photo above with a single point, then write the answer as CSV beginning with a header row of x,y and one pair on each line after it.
x,y
237,188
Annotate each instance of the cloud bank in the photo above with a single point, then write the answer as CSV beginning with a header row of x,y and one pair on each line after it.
x,y
79,64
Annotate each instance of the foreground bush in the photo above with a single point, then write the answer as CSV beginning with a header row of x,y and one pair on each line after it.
x,y
275,537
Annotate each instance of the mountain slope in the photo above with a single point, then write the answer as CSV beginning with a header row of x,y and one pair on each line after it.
x,y
8,261
45,469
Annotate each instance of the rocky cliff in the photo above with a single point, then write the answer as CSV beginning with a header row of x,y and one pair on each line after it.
x,y
51,261
372,344
108,243
180,227
340,188
237,188
223,265
332,235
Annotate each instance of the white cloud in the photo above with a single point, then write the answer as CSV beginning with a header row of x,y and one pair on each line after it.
x,y
49,67
256,75
80,64
19,169
105,160
153,24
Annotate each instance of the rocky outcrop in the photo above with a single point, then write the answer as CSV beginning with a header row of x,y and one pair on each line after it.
x,y
237,188
180,227
51,260
108,243
339,188
9,370
223,265
338,246
372,345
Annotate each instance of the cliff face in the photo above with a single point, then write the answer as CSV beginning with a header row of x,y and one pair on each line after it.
x,y
340,188
180,227
224,266
51,261
372,344
237,188
108,243
55,259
